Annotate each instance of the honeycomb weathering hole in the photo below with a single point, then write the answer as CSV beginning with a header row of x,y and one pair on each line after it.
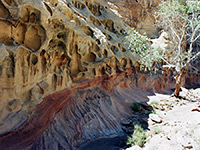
x,y
90,57
34,59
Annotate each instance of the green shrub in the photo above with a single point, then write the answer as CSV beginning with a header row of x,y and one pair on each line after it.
x,y
153,111
156,129
140,45
136,106
138,137
154,104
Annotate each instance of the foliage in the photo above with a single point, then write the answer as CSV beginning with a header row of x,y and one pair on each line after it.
x,y
153,111
154,104
156,129
140,45
138,137
180,19
136,106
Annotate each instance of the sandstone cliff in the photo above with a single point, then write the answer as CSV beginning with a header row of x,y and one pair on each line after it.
x,y
65,76
138,14
48,45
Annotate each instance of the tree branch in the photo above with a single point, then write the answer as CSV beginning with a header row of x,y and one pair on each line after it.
x,y
196,37
192,40
171,27
192,59
197,70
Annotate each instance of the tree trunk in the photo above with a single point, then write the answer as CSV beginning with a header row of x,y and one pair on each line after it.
x,y
178,83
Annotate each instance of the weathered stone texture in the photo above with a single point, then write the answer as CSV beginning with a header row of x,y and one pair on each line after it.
x,y
138,14
49,45
65,75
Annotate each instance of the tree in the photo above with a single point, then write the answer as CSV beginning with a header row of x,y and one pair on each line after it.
x,y
141,45
181,20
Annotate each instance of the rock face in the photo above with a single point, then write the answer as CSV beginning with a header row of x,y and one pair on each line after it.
x,y
48,45
138,14
91,109
65,76
57,43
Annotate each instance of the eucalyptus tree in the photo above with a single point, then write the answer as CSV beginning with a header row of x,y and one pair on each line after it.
x,y
181,21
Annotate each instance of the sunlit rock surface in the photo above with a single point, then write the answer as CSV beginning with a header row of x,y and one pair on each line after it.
x,y
91,109
65,76
47,46
138,14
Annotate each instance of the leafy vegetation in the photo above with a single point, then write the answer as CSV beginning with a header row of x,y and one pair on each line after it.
x,y
140,45
136,106
153,111
138,137
154,104
156,130
181,22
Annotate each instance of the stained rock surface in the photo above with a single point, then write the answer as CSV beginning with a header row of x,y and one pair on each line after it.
x,y
89,110
56,45
47,46
138,14
65,76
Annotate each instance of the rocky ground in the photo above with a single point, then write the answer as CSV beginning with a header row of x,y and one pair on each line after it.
x,y
174,123
169,123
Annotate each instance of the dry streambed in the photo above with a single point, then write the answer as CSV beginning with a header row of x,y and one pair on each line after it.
x,y
169,124
174,123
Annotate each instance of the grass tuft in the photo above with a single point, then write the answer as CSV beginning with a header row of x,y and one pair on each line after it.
x,y
138,137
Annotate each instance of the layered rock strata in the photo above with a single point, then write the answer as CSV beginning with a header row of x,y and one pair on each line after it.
x,y
89,110
138,14
48,45
65,76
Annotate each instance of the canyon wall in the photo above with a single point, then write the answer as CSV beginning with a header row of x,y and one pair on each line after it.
x,y
47,46
138,14
66,77
50,46
89,110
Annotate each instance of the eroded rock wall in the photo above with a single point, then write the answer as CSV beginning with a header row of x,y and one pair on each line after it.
x,y
89,110
48,45
65,76
138,14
